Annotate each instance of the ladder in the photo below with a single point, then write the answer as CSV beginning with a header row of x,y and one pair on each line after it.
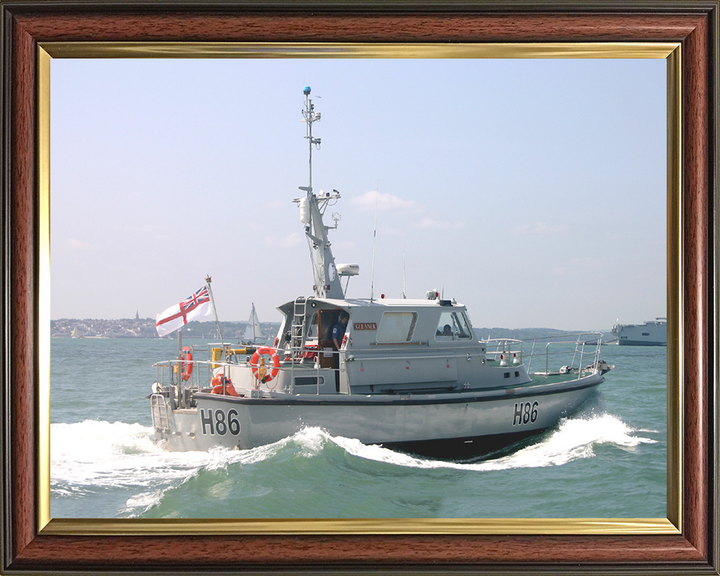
x,y
159,413
297,338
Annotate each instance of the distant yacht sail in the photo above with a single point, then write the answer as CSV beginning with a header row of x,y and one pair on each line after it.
x,y
252,332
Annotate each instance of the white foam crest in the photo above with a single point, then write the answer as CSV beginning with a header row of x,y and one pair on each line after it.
x,y
142,502
573,440
217,459
380,454
311,440
103,454
91,440
92,455
96,454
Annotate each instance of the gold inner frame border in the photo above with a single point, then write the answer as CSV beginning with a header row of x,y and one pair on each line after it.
x,y
670,51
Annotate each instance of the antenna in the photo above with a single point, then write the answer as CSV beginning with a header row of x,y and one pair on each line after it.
x,y
310,116
372,273
404,293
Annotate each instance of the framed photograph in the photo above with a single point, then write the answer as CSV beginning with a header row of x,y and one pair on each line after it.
x,y
79,44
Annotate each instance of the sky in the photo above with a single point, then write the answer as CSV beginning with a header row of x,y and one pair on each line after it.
x,y
532,191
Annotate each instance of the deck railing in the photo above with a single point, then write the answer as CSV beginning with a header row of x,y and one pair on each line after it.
x,y
573,349
169,372
569,352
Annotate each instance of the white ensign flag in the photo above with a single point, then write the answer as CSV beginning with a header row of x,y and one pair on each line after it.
x,y
193,308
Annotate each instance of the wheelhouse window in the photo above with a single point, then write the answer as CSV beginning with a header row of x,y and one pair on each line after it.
x,y
312,330
453,326
396,327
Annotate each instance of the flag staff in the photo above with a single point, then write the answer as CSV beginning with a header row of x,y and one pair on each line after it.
x,y
180,365
208,280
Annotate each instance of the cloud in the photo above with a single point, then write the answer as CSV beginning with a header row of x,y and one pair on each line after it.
x,y
153,229
288,241
275,205
344,245
76,244
158,232
431,224
540,228
385,202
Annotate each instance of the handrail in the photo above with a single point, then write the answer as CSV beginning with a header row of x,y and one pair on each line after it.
x,y
581,339
464,356
492,351
289,363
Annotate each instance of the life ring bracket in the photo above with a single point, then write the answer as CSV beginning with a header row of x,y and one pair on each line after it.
x,y
186,361
262,370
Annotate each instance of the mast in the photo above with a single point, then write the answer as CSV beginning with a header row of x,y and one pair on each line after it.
x,y
310,117
312,209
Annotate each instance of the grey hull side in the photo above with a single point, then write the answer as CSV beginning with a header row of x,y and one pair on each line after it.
x,y
243,423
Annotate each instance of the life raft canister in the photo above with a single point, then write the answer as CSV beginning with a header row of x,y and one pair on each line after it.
x,y
222,385
186,359
259,367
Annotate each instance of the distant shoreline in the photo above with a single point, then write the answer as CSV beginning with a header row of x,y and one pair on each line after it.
x,y
145,328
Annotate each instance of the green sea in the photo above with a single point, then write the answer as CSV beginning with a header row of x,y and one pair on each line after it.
x,y
607,459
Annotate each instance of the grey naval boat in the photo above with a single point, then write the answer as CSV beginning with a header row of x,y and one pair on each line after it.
x,y
407,374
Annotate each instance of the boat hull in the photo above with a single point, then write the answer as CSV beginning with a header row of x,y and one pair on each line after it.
x,y
461,447
418,423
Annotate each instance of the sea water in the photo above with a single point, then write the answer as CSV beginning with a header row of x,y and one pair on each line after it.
x,y
607,459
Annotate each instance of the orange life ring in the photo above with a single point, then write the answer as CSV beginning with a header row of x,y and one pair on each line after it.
x,y
260,369
222,385
186,360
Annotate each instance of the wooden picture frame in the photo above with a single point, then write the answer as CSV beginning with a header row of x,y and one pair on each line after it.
x,y
30,544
